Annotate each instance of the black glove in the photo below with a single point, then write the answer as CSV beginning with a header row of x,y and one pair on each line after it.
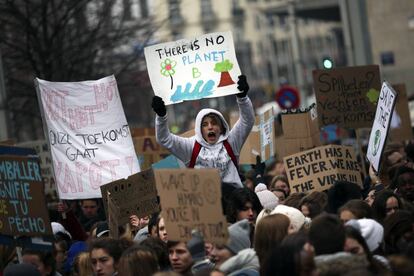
x,y
158,106
243,86
259,170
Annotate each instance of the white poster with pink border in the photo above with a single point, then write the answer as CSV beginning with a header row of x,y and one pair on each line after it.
x,y
88,134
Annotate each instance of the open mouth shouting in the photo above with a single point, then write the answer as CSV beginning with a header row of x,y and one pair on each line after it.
x,y
211,136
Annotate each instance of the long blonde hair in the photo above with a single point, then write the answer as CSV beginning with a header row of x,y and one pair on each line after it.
x,y
82,265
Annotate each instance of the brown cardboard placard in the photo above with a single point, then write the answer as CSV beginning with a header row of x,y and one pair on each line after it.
x,y
317,169
148,151
300,131
280,150
145,131
401,129
23,210
135,195
191,199
46,167
113,214
261,140
347,96
146,147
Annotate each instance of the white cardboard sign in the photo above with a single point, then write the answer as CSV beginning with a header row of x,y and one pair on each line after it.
x,y
381,125
191,69
88,134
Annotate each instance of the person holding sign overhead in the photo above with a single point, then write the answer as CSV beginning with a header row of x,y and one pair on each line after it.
x,y
214,145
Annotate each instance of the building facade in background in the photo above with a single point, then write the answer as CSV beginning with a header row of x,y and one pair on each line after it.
x,y
391,29
270,51
276,41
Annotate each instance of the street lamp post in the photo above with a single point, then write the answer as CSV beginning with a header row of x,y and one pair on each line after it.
x,y
297,57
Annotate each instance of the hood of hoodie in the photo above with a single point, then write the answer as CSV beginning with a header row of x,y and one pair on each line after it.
x,y
245,259
199,119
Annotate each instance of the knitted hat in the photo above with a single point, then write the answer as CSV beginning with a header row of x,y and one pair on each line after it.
x,y
297,219
21,270
372,231
268,199
57,227
102,228
262,214
239,236
196,246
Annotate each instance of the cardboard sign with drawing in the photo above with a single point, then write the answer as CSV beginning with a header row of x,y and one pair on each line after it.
x,y
191,69
347,96
381,125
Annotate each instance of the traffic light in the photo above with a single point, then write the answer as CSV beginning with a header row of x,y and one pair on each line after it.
x,y
327,63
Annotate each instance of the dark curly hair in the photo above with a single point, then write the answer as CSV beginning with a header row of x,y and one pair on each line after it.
x,y
237,201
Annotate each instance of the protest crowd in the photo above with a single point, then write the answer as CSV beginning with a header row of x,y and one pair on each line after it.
x,y
268,218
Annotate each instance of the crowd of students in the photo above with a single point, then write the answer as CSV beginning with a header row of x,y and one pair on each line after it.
x,y
345,230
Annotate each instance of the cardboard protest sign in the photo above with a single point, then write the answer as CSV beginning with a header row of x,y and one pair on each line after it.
x,y
147,148
400,120
317,169
381,125
261,139
113,214
46,167
23,209
300,131
347,96
88,135
135,195
191,69
280,150
191,199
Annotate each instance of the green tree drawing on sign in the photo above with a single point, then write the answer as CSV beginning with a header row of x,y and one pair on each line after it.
x,y
224,67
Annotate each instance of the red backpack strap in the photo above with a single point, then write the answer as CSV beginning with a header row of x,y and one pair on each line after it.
x,y
231,153
196,151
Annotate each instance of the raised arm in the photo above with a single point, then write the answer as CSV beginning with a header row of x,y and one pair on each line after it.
x,y
178,146
244,125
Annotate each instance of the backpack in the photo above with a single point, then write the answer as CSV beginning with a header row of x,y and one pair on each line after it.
x,y
197,148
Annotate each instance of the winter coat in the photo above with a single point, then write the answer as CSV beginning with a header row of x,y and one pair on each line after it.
x,y
210,156
340,263
245,263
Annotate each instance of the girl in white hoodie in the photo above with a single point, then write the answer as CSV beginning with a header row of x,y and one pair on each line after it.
x,y
212,133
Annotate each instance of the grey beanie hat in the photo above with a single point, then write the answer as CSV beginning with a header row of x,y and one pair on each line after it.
x,y
196,246
239,239
141,235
